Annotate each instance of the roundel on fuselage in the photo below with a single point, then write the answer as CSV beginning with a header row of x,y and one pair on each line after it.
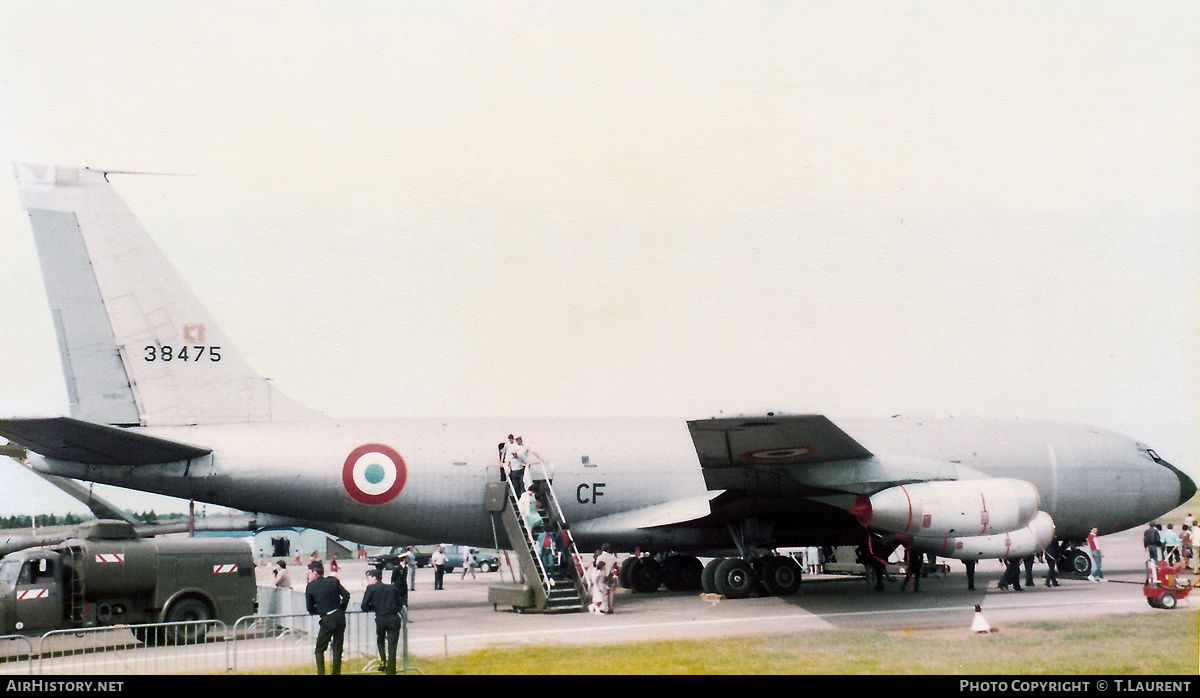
x,y
373,474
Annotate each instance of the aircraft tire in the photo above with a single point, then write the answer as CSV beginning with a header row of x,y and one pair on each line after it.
x,y
708,577
682,573
780,575
625,574
645,574
1080,561
735,578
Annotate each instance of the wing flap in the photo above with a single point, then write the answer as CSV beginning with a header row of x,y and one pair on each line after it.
x,y
63,438
674,512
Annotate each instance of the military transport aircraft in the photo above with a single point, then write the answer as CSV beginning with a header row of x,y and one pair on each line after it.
x,y
162,402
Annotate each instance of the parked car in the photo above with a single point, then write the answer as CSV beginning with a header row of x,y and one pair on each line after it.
x,y
485,560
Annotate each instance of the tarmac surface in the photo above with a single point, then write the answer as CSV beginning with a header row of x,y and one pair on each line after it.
x,y
459,618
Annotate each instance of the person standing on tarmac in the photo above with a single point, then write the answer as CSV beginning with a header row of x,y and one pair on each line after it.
x,y
438,561
327,598
1151,541
385,600
1097,574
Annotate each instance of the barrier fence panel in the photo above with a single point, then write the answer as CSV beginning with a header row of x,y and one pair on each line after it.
x,y
269,644
16,655
286,644
196,647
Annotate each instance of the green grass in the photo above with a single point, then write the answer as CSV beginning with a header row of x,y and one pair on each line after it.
x,y
1147,643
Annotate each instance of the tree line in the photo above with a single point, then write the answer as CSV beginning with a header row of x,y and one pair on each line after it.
x,y
45,520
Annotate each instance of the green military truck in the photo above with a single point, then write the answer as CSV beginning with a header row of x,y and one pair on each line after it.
x,y
109,576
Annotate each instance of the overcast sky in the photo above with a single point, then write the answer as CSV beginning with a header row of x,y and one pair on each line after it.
x,y
641,208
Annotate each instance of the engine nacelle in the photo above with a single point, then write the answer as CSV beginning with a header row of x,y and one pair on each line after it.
x,y
1029,540
953,508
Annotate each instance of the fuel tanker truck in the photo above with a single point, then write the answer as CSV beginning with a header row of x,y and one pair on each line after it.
x,y
107,575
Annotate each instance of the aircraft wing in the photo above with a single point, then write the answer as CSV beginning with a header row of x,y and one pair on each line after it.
x,y
63,438
738,453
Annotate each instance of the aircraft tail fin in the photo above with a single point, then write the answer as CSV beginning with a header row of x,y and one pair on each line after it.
x,y
137,347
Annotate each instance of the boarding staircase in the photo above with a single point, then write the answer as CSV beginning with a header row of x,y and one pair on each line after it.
x,y
558,588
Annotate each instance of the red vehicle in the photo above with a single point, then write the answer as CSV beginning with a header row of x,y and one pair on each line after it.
x,y
1161,589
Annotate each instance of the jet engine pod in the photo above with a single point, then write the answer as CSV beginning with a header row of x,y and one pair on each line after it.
x,y
1026,541
954,508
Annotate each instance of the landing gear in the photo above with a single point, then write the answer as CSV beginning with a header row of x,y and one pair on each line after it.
x,y
646,574
780,575
736,578
642,574
1075,561
682,573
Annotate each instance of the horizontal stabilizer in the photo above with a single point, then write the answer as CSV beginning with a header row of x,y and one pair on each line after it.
x,y
66,439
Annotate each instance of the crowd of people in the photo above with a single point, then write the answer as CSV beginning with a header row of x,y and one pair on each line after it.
x,y
1171,546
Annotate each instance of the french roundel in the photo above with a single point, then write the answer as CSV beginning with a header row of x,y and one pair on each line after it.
x,y
781,454
373,474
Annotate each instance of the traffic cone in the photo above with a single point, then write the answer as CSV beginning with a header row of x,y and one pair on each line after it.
x,y
979,625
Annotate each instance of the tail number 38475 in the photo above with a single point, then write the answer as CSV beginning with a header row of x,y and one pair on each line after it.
x,y
183,353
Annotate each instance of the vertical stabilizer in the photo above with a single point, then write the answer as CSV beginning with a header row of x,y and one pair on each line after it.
x,y
137,347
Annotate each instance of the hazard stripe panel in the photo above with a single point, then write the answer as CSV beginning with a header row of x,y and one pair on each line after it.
x,y
224,569
110,557
26,594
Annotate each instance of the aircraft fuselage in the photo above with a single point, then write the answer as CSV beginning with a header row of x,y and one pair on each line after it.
x,y
426,478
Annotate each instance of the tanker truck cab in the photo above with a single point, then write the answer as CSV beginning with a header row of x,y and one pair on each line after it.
x,y
109,576
31,597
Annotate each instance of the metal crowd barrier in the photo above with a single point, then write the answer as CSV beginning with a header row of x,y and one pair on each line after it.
x,y
15,654
267,644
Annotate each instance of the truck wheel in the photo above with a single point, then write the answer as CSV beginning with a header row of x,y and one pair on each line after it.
x,y
194,613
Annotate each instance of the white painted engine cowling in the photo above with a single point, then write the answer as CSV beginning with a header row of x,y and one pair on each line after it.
x,y
1029,540
955,508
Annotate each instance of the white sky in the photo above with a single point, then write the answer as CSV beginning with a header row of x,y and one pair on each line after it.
x,y
641,208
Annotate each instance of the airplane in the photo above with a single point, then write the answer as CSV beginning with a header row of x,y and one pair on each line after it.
x,y
161,401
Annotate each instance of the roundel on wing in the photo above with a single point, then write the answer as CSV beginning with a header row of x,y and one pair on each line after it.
x,y
780,454
373,474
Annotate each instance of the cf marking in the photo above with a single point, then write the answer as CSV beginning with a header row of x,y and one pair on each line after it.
x,y
374,474
582,493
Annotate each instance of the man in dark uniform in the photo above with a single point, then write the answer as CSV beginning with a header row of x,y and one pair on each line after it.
x,y
387,601
327,598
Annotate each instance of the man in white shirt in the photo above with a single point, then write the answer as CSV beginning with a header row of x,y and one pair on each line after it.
x,y
515,456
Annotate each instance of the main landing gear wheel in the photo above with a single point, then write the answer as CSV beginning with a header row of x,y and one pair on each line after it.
x,y
642,574
734,578
682,573
780,575
708,577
